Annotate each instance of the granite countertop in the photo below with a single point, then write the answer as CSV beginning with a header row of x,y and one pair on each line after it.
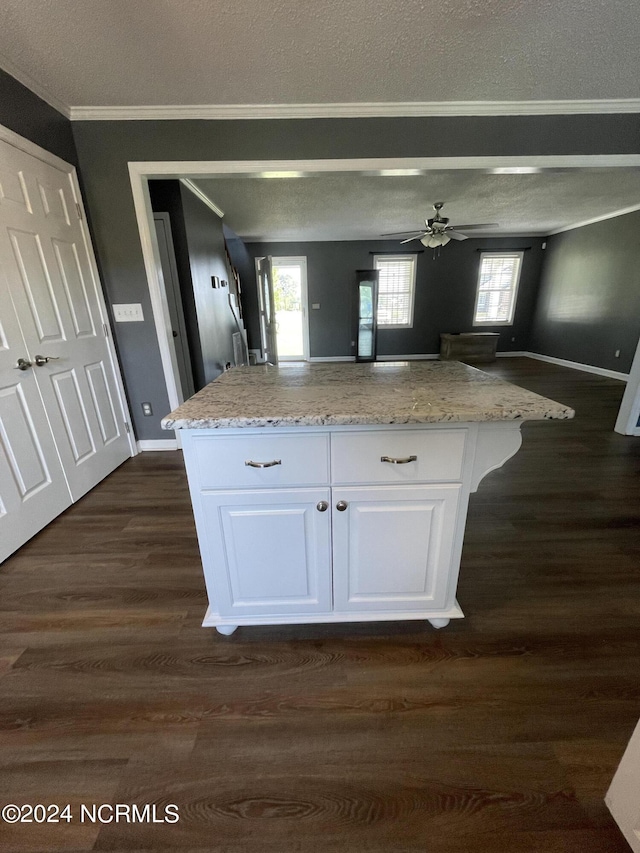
x,y
349,393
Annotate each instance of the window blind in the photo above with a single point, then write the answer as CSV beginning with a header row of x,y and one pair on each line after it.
x,y
395,289
497,285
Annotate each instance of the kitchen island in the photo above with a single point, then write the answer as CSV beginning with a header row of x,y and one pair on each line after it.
x,y
339,492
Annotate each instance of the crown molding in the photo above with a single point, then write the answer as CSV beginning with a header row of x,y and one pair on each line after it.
x,y
204,198
35,87
220,112
613,215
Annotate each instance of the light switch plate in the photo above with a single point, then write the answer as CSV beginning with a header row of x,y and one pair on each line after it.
x,y
128,313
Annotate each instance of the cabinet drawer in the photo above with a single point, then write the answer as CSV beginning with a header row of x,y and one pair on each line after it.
x,y
357,457
220,461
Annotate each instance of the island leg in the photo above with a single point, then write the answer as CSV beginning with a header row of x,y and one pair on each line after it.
x,y
439,623
227,630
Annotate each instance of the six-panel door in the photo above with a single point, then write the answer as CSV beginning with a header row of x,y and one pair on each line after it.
x,y
392,547
268,551
33,489
61,420
45,255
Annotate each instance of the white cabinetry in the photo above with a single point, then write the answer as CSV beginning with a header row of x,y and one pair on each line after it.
x,y
269,551
336,524
393,547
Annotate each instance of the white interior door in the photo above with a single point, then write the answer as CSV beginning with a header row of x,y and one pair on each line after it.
x,y
170,284
52,317
33,489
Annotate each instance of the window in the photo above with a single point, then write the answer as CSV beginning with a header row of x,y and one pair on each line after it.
x,y
396,290
497,288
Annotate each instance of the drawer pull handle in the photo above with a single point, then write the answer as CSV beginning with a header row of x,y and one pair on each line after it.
x,y
253,464
341,506
322,506
399,461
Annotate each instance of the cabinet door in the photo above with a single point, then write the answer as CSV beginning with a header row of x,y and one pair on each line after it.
x,y
267,552
393,547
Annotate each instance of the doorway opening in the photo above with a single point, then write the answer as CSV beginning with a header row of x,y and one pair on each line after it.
x,y
141,172
289,282
290,302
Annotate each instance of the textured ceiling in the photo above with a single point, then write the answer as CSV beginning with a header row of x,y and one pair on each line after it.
x,y
353,207
154,52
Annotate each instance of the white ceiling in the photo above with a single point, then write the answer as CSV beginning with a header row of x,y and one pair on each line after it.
x,y
177,52
350,206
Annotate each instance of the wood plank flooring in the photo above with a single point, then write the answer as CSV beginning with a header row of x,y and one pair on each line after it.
x,y
499,733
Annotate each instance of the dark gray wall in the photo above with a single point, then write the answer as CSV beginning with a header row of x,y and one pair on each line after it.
x,y
244,264
31,117
207,258
445,293
589,301
104,149
199,249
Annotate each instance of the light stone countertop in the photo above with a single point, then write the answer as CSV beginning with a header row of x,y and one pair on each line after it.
x,y
336,394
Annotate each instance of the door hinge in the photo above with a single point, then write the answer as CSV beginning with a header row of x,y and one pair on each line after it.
x,y
127,427
79,210
105,329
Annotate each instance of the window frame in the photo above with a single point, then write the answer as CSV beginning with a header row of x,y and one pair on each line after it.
x,y
514,292
412,293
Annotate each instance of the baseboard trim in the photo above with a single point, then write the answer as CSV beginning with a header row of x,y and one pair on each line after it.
x,y
412,357
561,362
577,365
158,444
333,358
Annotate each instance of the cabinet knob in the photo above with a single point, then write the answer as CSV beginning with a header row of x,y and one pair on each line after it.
x,y
341,506
322,506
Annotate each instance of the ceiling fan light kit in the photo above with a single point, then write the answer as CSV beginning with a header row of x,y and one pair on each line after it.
x,y
433,241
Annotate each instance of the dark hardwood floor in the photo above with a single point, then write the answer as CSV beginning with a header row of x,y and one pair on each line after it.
x,y
499,734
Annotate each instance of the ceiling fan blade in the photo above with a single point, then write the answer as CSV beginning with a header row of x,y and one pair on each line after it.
x,y
401,233
454,235
409,239
471,227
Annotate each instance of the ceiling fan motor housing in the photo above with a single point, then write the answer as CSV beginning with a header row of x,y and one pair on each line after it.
x,y
440,222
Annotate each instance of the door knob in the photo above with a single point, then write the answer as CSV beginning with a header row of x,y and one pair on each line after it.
x,y
322,506
23,364
43,359
341,506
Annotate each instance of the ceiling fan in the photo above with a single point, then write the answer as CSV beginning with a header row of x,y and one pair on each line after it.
x,y
437,230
